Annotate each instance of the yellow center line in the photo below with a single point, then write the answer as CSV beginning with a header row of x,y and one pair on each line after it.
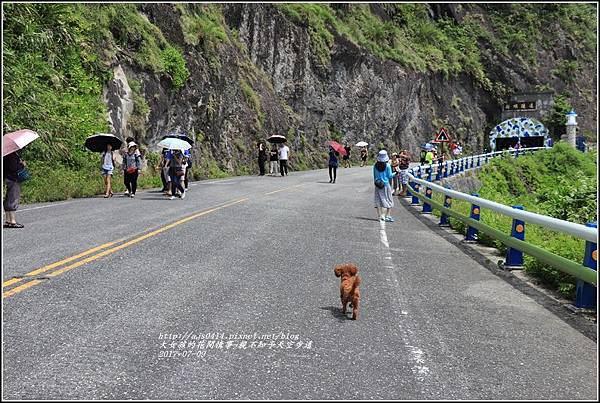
x,y
139,239
20,288
281,190
117,248
59,263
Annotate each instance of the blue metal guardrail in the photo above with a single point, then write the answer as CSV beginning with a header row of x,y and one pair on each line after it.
x,y
424,176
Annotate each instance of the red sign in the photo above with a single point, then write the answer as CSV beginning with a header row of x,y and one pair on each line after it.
x,y
442,137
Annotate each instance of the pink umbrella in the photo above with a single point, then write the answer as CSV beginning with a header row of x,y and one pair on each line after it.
x,y
337,147
15,141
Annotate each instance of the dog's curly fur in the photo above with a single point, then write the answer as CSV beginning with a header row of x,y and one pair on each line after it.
x,y
349,291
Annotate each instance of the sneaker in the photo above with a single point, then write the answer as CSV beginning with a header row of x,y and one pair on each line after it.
x,y
172,198
126,193
389,219
183,195
132,195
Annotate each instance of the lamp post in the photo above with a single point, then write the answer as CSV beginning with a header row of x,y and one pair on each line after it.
x,y
571,128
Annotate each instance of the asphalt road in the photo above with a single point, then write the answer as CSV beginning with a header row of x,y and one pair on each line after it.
x,y
254,257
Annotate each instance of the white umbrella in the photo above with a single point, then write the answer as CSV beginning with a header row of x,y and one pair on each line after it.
x,y
174,144
362,144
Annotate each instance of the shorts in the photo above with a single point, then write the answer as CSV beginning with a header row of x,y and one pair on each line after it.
x,y
106,172
404,176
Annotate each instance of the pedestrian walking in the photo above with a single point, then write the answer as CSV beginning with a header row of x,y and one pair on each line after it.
x,y
363,156
273,161
346,158
12,165
333,164
132,163
283,154
187,166
262,157
108,165
382,175
403,166
176,173
394,162
163,168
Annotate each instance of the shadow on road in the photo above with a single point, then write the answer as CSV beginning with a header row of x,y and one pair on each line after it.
x,y
366,219
336,312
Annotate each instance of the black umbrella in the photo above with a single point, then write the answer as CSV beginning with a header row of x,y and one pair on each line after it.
x,y
180,136
97,142
276,138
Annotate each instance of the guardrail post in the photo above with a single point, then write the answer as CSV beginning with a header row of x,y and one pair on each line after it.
x,y
415,199
419,173
478,161
448,204
475,213
429,172
427,206
445,169
586,293
514,257
438,174
462,165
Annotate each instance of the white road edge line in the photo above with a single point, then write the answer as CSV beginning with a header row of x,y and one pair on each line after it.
x,y
49,205
416,354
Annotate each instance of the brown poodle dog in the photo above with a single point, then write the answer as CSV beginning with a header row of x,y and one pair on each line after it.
x,y
349,287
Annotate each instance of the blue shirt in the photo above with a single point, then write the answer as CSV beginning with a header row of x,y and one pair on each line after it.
x,y
333,161
385,176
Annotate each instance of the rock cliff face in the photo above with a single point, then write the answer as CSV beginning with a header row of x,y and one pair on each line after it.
x,y
269,81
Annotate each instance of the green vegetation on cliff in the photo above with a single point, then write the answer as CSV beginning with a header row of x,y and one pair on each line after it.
x,y
410,37
55,67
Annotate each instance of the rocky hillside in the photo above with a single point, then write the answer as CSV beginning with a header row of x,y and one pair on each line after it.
x,y
232,74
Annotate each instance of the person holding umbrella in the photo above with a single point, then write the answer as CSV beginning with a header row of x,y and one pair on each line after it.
x,y
176,172
108,165
363,156
14,172
333,164
282,152
105,143
131,168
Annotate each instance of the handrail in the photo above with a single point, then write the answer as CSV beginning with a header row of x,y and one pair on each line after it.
x,y
583,272
563,264
577,230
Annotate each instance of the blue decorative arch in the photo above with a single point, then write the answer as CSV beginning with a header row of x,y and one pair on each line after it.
x,y
518,127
